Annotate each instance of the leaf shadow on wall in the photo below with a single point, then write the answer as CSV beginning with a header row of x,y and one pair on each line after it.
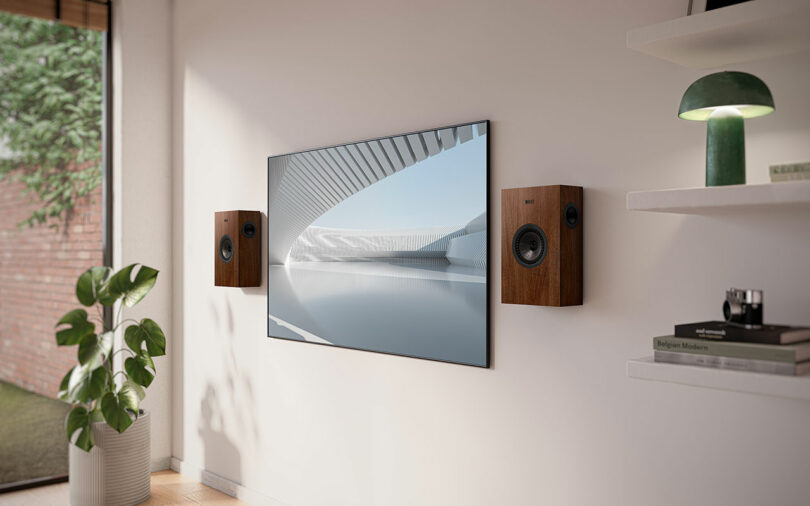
x,y
219,449
226,408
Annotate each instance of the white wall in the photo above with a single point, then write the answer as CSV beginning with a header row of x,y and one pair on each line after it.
x,y
142,178
555,420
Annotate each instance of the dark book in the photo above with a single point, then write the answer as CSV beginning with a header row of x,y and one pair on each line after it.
x,y
768,334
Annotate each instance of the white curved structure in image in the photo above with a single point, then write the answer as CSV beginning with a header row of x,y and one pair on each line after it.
x,y
305,185
465,245
319,244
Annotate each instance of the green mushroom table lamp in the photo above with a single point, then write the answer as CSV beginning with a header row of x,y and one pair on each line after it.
x,y
724,100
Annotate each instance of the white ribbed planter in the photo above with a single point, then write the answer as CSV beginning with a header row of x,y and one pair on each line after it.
x,y
116,472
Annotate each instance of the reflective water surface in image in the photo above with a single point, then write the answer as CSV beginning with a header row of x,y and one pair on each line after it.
x,y
435,311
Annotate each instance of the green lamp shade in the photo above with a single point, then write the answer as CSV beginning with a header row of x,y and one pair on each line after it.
x,y
745,92
724,100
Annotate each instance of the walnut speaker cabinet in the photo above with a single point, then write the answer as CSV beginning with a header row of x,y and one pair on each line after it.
x,y
541,259
238,253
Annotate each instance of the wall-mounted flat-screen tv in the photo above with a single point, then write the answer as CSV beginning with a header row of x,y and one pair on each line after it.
x,y
381,245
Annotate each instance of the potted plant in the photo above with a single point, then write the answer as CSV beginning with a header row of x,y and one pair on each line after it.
x,y
110,450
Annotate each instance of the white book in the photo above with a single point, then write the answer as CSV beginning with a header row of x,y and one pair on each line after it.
x,y
790,172
794,176
737,364
789,168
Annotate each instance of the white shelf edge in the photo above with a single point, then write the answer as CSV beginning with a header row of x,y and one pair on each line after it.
x,y
734,34
716,199
789,387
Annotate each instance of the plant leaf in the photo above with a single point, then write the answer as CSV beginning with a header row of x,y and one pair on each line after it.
x,y
98,383
96,415
139,390
114,413
95,347
136,368
64,393
89,284
149,332
144,281
87,382
130,396
79,419
79,328
133,338
86,441
120,282
73,317
155,338
105,298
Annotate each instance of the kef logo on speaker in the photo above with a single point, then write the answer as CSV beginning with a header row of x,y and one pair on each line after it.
x,y
530,201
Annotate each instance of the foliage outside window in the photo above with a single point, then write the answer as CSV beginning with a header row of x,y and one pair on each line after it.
x,y
50,111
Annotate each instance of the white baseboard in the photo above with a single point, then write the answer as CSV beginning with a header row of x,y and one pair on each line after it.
x,y
222,484
161,464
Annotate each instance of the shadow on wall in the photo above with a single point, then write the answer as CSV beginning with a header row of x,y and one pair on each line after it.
x,y
218,446
227,408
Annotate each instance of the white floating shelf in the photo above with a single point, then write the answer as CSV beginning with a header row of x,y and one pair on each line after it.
x,y
720,199
790,387
744,32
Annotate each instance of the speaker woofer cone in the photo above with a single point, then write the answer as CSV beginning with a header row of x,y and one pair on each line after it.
x,y
226,248
529,245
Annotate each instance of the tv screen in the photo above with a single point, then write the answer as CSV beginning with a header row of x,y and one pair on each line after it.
x,y
381,245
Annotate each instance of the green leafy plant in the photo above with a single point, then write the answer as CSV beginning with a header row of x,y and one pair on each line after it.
x,y
95,389
50,111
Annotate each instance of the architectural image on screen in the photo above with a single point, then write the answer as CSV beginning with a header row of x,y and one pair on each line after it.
x,y
381,245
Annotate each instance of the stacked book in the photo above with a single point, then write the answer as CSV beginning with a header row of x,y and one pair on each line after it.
x,y
774,349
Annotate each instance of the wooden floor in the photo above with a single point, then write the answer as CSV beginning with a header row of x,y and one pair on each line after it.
x,y
168,487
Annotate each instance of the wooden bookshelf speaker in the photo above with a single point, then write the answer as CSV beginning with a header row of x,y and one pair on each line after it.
x,y
238,253
541,259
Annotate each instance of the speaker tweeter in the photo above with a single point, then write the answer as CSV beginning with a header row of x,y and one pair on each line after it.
x,y
248,229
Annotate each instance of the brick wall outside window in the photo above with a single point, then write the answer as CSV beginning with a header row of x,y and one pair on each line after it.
x,y
38,271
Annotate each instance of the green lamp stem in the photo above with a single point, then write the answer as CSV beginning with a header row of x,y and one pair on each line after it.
x,y
725,148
